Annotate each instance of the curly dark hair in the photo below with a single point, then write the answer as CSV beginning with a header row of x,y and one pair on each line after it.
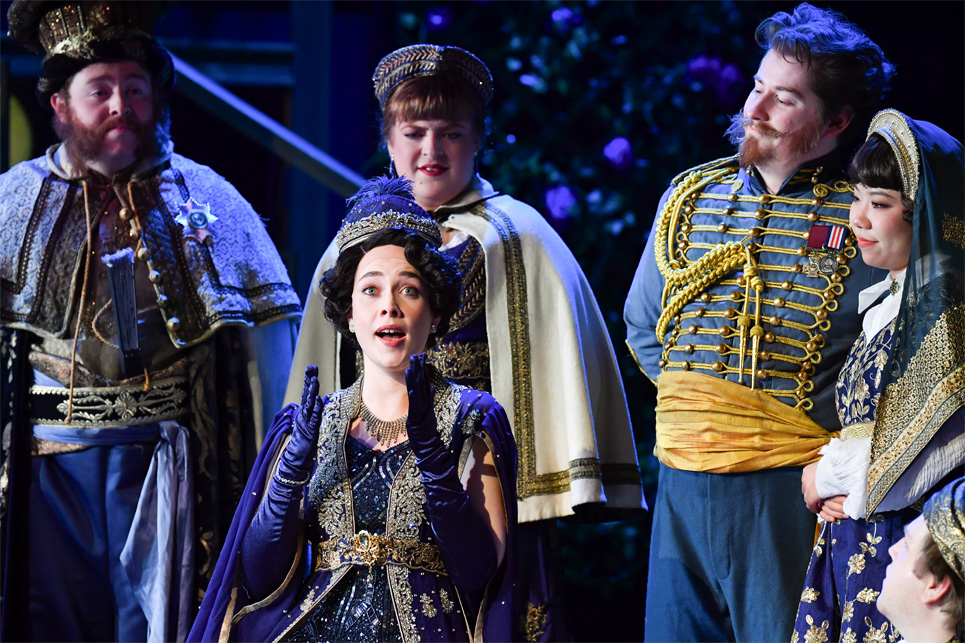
x,y
439,272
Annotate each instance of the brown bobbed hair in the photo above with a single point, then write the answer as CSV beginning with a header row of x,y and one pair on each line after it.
x,y
436,97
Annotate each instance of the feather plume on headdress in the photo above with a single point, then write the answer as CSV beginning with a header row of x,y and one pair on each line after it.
x,y
384,203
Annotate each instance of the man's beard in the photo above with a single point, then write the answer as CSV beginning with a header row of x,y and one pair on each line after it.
x,y
85,144
788,145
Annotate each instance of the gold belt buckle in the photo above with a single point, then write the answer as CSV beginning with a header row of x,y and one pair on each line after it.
x,y
371,548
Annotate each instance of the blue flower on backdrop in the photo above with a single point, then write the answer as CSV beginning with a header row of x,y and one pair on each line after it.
x,y
439,18
564,17
710,72
560,202
619,152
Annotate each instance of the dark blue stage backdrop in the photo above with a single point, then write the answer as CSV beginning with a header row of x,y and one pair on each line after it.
x,y
597,106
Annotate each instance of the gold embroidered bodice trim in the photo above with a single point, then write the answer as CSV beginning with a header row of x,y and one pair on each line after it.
x,y
472,298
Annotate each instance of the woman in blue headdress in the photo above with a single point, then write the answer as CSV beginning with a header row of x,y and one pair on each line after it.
x,y
357,528
901,392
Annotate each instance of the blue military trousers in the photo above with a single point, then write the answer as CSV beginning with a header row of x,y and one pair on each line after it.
x,y
728,556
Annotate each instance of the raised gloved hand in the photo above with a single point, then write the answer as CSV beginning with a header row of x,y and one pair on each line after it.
x,y
421,423
465,539
296,462
271,541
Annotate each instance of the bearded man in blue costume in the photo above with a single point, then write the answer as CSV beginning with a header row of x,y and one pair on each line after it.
x,y
138,298
738,313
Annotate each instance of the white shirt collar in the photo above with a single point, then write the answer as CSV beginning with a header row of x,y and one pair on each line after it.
x,y
879,316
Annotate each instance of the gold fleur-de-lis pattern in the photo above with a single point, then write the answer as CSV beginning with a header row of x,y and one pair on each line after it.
x,y
849,557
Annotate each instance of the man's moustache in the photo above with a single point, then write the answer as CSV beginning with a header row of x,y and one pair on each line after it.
x,y
761,128
126,120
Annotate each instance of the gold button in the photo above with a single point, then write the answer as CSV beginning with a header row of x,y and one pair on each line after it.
x,y
174,324
125,214
796,268
819,339
764,199
700,312
661,363
685,227
842,260
681,244
676,319
686,366
849,241
836,278
804,377
730,313
828,295
719,367
822,314
705,297
761,373
765,356
728,210
761,213
731,197
802,251
725,331
692,329
143,254
775,320
817,203
806,234
689,349
132,233
769,338
154,276
779,302
162,300
736,295
753,247
742,281
722,228
812,216
722,349
811,346
786,285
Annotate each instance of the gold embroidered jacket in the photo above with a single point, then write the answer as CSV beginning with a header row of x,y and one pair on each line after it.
x,y
752,287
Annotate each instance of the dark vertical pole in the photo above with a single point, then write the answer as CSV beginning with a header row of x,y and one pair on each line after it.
x,y
309,204
4,115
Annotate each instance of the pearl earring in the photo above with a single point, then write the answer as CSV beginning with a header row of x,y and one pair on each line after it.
x,y
351,325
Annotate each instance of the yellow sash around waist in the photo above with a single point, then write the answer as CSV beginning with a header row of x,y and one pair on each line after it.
x,y
709,424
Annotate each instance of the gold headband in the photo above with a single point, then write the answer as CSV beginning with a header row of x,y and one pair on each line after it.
x,y
892,125
945,517
354,232
431,60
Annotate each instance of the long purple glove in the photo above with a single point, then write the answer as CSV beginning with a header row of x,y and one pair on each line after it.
x,y
269,545
463,536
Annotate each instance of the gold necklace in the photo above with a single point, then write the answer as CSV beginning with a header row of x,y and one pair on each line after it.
x,y
384,432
